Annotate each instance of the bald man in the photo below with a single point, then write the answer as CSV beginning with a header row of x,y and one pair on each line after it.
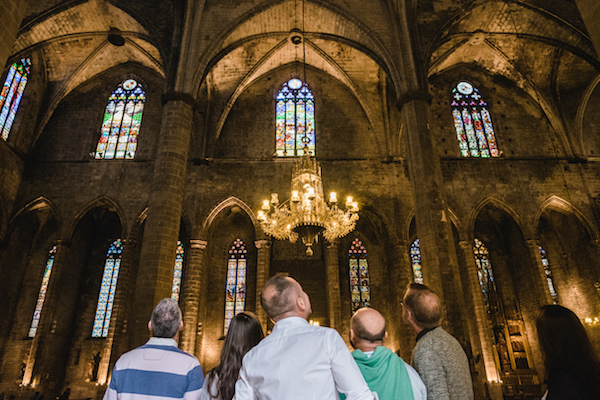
x,y
437,356
297,360
386,373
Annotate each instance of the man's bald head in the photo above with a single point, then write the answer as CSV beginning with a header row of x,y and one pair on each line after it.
x,y
424,305
280,298
368,325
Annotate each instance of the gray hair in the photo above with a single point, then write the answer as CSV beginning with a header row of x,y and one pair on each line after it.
x,y
166,318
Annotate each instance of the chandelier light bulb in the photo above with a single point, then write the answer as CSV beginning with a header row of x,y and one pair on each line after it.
x,y
265,205
333,197
274,199
261,216
295,197
349,201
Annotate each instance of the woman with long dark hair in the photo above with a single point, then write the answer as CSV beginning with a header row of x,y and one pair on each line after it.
x,y
572,363
244,333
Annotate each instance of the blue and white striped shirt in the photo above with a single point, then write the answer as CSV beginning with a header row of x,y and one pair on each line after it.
x,y
157,369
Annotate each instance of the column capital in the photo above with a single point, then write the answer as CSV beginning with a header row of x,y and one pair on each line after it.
x,y
263,244
198,244
333,245
466,244
533,243
415,95
129,241
179,96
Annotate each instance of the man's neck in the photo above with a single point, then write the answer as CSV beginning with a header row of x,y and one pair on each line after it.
x,y
288,315
365,346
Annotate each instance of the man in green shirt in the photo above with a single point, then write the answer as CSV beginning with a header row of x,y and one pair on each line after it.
x,y
386,373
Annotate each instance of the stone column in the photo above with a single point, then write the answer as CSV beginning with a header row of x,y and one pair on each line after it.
x,y
539,277
263,273
482,337
332,267
12,12
161,233
590,14
194,281
401,275
433,223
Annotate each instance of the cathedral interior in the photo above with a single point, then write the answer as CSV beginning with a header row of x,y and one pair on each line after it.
x,y
140,140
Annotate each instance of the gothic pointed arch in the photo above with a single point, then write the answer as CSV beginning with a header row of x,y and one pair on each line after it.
x,y
228,203
101,202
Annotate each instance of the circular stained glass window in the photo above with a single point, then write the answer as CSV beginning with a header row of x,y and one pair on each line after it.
x,y
129,84
465,88
295,83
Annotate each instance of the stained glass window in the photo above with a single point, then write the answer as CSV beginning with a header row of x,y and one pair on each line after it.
x,y
549,278
235,287
122,122
415,258
360,281
472,122
108,287
11,94
295,119
484,270
37,313
177,271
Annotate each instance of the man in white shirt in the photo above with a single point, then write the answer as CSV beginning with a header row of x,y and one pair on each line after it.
x,y
298,360
386,373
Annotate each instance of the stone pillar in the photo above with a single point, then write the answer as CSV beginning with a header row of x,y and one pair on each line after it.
x,y
161,233
433,223
263,273
194,281
334,300
590,13
401,275
12,12
482,337
539,278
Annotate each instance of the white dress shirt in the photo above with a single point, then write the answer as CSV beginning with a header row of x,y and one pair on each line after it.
x,y
303,362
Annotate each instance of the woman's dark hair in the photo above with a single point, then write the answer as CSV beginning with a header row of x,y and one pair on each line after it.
x,y
566,346
244,333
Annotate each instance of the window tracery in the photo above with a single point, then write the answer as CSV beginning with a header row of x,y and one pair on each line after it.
x,y
177,271
415,258
11,94
122,122
108,288
549,278
37,313
295,119
235,286
472,122
360,280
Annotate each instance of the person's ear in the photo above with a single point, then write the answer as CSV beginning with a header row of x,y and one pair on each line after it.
x,y
352,335
300,303
150,326
180,326
385,335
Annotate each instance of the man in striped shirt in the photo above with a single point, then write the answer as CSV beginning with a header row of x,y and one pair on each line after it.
x,y
158,368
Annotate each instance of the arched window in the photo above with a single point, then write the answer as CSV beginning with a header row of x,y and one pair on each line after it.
x,y
360,282
295,119
484,270
108,288
549,278
473,122
122,122
37,313
177,272
235,287
415,258
11,94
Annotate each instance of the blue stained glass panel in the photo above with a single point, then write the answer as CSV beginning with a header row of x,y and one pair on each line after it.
x,y
11,94
37,313
549,278
415,257
235,284
472,122
177,271
296,111
122,121
108,288
360,280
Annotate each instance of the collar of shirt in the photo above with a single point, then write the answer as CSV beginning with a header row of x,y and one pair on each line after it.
x,y
368,353
423,333
159,341
289,322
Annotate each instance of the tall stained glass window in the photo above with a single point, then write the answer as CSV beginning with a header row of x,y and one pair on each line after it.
x,y
484,270
295,119
11,94
108,287
472,122
177,272
415,258
122,122
37,313
549,278
235,287
360,281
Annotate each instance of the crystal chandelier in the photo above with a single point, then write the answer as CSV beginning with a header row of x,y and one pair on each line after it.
x,y
306,214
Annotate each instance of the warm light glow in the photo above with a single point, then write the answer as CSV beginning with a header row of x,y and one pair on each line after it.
x,y
266,205
262,216
315,323
295,197
592,321
310,192
274,199
349,201
333,197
